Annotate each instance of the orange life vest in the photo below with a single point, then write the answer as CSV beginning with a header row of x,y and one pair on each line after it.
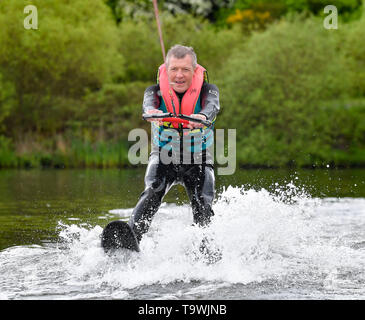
x,y
191,96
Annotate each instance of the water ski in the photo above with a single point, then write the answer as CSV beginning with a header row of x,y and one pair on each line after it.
x,y
117,235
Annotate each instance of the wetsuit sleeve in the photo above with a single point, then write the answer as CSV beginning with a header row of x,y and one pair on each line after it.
x,y
210,101
151,98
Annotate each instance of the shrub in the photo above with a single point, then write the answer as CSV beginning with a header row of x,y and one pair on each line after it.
x,y
272,87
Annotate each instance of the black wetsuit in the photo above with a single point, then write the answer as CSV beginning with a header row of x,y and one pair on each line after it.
x,y
198,179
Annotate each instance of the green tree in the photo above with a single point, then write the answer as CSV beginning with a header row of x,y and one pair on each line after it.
x,y
6,102
354,49
133,9
73,49
254,14
139,44
272,90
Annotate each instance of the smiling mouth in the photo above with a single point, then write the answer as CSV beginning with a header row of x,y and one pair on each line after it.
x,y
179,83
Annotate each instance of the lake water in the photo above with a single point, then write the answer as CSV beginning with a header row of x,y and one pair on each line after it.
x,y
283,234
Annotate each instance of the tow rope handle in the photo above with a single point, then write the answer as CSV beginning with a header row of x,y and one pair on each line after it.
x,y
181,118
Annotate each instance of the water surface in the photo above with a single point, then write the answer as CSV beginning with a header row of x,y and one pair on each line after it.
x,y
283,234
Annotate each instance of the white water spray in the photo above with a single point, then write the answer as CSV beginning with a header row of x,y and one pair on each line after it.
x,y
281,236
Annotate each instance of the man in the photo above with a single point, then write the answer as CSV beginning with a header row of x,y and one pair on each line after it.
x,y
182,89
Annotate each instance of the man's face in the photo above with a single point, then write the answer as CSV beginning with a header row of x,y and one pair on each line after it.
x,y
180,73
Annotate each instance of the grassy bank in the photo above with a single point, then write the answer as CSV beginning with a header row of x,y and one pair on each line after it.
x,y
100,154
79,155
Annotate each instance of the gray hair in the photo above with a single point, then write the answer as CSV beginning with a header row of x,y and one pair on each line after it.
x,y
178,51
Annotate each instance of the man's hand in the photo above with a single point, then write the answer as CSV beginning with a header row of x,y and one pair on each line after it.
x,y
193,125
152,111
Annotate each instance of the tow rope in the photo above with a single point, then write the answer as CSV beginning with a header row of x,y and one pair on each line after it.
x,y
159,29
163,48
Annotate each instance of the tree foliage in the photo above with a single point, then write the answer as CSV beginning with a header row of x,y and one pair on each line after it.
x,y
50,68
275,94
71,90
